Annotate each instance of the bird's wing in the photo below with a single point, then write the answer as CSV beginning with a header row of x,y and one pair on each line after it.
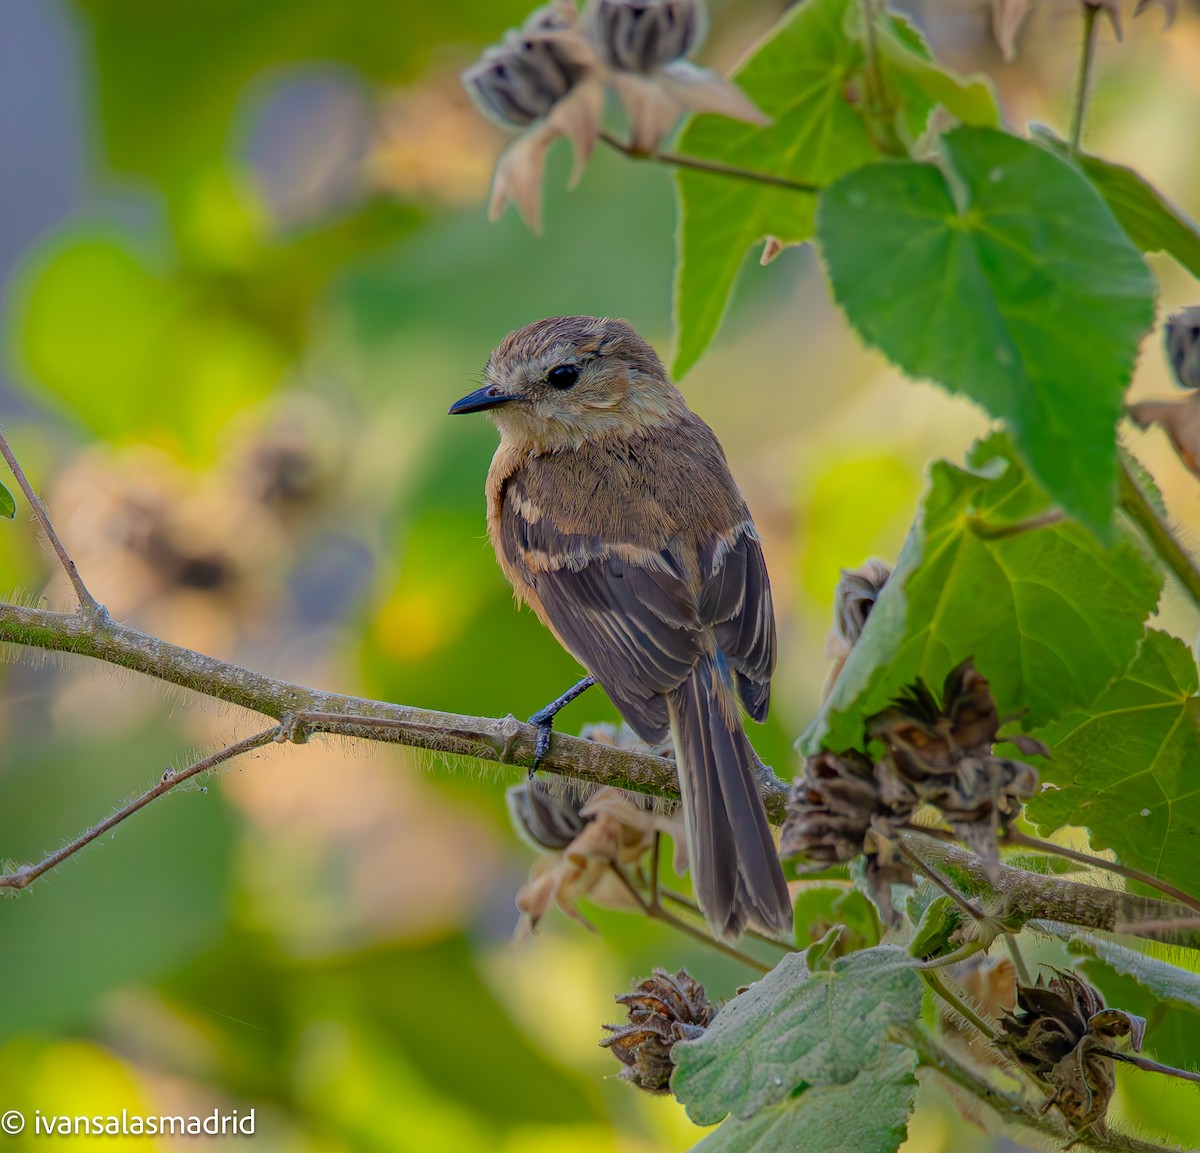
x,y
629,616
735,600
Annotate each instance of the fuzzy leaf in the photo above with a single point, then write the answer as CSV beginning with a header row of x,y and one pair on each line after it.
x,y
868,1114
796,1028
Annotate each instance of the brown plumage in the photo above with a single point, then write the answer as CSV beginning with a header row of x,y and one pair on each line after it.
x,y
614,516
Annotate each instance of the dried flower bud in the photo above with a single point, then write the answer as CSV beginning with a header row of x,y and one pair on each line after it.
x,y
663,1009
1059,1033
545,819
857,591
520,80
942,755
831,808
642,35
1183,346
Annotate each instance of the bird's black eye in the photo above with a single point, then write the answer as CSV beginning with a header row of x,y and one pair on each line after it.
x,y
563,376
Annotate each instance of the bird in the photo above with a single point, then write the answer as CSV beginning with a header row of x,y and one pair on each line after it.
x,y
615,517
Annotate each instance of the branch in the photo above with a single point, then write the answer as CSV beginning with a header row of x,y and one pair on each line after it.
x,y
91,608
27,874
305,710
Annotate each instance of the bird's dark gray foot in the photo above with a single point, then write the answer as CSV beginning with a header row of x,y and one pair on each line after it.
x,y
544,719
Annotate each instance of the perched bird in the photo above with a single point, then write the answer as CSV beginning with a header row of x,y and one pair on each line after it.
x,y
614,516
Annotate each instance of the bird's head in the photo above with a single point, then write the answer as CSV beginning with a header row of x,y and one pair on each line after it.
x,y
558,383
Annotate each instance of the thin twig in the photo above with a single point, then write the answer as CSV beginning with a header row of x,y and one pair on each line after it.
x,y
91,608
711,167
1014,951
1087,56
1015,837
1157,534
656,912
691,906
170,779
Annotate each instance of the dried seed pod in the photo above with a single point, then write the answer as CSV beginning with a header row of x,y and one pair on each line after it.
x,y
942,755
663,1009
1059,1033
830,809
1183,346
642,35
519,80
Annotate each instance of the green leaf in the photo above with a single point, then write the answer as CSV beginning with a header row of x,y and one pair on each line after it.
x,y
909,68
939,921
1126,766
868,1114
1153,223
1002,275
796,1027
1048,613
802,75
1166,982
8,506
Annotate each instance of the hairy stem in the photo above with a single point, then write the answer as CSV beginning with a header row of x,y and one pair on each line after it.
x,y
1012,1108
1037,897
1157,534
712,167
170,779
933,978
1014,837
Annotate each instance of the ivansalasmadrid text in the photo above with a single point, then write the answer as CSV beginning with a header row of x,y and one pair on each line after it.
x,y
212,1124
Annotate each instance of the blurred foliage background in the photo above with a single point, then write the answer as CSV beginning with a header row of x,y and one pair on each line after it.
x,y
244,268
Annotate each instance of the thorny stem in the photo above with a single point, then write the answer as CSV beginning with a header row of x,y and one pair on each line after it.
x,y
1087,56
656,912
169,780
1015,837
712,167
90,607
1159,536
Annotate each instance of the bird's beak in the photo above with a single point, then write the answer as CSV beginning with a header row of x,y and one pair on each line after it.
x,y
487,397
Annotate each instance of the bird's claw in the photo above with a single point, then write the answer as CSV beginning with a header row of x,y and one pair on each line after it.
x,y
541,747
544,719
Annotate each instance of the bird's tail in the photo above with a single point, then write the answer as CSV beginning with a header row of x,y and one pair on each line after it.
x,y
735,868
